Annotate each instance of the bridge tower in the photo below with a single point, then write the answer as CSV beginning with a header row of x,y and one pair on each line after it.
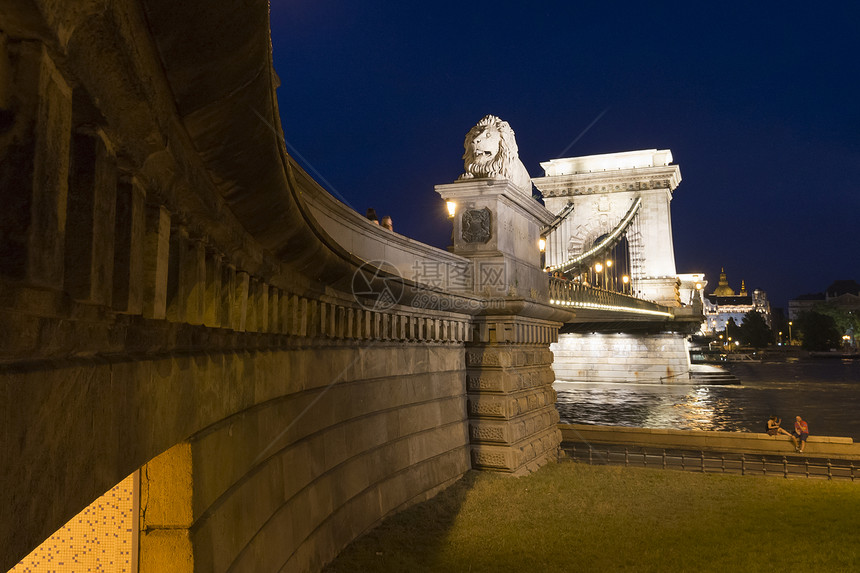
x,y
602,202
608,197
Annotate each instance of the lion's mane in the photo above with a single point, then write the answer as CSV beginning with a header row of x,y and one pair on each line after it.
x,y
504,164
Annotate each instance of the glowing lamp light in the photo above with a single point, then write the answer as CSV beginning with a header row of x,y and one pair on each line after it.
x,y
608,264
452,208
598,267
698,286
625,279
542,244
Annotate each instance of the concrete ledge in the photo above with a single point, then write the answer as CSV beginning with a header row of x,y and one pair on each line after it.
x,y
742,442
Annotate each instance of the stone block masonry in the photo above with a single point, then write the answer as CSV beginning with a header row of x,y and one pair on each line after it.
x,y
511,402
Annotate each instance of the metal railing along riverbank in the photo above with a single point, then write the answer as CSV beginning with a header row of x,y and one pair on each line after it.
x,y
713,462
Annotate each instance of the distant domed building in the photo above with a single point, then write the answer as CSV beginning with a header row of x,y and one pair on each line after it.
x,y
723,304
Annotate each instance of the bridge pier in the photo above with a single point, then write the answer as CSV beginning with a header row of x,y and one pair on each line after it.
x,y
646,358
511,402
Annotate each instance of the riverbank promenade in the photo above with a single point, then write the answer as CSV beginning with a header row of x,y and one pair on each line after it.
x,y
742,453
834,447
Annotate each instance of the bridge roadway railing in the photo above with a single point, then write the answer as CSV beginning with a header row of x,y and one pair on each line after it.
x,y
565,293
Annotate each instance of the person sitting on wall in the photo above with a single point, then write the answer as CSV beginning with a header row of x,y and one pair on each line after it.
x,y
371,215
801,432
387,223
773,427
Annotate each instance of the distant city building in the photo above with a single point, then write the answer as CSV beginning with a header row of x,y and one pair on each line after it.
x,y
843,294
803,303
723,304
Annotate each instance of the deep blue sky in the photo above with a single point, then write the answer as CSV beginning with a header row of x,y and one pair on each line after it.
x,y
757,101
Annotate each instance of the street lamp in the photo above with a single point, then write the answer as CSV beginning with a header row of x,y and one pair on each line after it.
x,y
609,271
452,209
598,268
790,343
542,249
625,281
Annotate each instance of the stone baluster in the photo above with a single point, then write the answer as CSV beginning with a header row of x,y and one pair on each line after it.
x,y
194,275
34,172
274,310
240,300
213,306
228,294
156,261
90,219
129,246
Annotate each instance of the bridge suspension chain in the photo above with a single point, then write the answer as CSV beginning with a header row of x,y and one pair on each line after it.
x,y
577,262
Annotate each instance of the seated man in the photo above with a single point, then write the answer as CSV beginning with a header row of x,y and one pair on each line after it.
x,y
801,432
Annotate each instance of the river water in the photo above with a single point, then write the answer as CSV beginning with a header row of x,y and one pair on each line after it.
x,y
825,392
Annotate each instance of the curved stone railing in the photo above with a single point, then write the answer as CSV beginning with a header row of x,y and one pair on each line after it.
x,y
427,266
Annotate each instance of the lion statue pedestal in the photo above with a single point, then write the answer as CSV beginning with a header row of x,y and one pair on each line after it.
x,y
498,222
497,225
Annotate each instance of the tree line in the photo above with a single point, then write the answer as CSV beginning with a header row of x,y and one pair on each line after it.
x,y
819,329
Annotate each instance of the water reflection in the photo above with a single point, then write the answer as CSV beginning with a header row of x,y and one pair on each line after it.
x,y
825,393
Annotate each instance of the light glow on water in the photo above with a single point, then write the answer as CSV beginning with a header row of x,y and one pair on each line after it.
x,y
826,394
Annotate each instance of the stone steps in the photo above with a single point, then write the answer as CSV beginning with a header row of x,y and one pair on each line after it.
x,y
717,378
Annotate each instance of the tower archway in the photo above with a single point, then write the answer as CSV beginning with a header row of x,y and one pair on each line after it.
x,y
608,200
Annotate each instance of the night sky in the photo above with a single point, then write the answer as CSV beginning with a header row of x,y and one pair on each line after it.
x,y
757,101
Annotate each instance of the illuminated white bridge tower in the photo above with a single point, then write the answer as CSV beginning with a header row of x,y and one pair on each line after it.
x,y
616,206
603,198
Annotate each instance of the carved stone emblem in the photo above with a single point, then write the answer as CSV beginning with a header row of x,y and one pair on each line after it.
x,y
476,225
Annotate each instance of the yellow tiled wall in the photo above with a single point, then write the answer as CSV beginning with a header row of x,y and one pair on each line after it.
x,y
100,538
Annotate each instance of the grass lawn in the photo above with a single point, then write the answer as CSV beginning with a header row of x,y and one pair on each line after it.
x,y
574,517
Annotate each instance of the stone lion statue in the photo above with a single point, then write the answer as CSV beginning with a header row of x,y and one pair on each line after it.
x,y
491,151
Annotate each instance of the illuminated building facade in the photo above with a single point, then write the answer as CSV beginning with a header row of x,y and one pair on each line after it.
x,y
724,304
